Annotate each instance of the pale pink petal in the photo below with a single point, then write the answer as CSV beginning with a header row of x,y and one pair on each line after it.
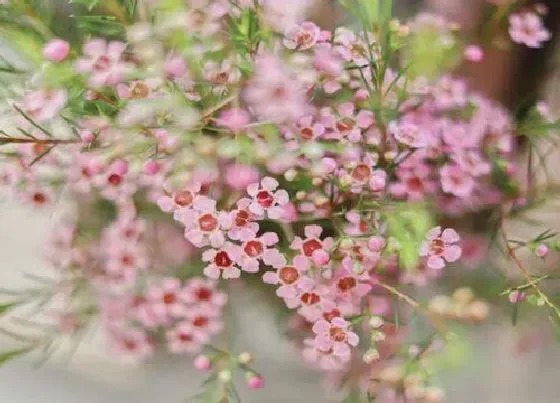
x,y
449,235
435,262
452,253
211,272
270,277
231,272
321,326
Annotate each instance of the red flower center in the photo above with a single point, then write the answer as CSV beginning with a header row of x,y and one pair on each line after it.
x,y
264,198
222,259
127,260
288,275
345,125
311,246
114,179
253,248
346,283
337,334
200,321
183,198
241,218
306,133
130,345
335,313
415,184
362,172
102,63
204,294
39,198
437,246
169,298
185,337
208,222
310,298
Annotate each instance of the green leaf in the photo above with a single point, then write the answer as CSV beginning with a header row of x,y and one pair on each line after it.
x,y
10,355
4,308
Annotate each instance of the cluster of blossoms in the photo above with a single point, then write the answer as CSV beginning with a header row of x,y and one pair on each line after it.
x,y
280,150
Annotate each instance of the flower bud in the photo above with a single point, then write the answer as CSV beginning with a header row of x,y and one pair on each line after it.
x,y
224,376
375,322
202,363
245,358
254,381
542,250
56,50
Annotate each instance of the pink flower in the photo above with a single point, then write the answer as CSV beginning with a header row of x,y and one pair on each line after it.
x,y
221,75
222,262
164,298
205,321
125,256
408,134
103,61
184,198
335,335
235,119
282,14
326,360
44,104
517,296
184,339
203,292
347,284
175,67
243,224
474,53
347,123
132,344
260,249
204,226
273,93
301,37
441,247
138,89
291,279
56,50
266,199
450,93
312,242
528,29
115,185
82,172
457,181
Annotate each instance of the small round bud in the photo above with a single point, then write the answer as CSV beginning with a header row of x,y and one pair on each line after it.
x,y
542,250
473,53
87,136
392,375
224,376
516,296
413,351
376,243
254,381
245,358
56,50
440,305
317,181
300,195
202,363
290,174
151,167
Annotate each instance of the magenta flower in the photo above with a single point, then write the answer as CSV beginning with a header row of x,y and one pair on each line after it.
x,y
528,29
335,335
441,247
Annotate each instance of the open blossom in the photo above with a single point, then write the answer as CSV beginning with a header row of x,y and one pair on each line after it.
x,y
312,242
408,134
103,62
184,339
260,249
235,119
266,199
43,105
133,345
441,247
292,278
178,199
335,335
221,75
222,262
324,359
164,298
346,123
302,37
203,292
527,28
456,180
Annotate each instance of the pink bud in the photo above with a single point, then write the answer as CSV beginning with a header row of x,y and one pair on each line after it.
x,y
474,53
175,67
202,363
87,136
320,257
516,296
255,382
361,95
120,167
151,167
378,180
56,50
376,243
542,250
